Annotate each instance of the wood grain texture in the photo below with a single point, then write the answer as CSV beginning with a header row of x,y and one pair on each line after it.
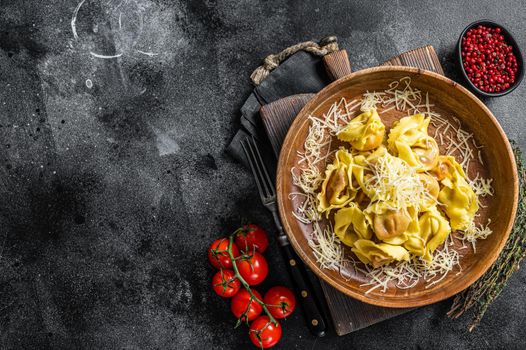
x,y
337,64
423,57
277,117
451,101
349,314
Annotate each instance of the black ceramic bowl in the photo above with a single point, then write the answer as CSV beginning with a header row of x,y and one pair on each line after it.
x,y
510,40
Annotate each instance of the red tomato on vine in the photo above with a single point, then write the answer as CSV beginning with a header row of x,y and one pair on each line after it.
x,y
264,333
225,283
280,301
244,307
218,256
254,269
252,237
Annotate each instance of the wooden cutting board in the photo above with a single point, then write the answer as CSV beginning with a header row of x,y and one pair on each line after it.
x,y
348,314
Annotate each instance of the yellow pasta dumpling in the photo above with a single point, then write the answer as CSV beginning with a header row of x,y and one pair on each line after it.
x,y
432,188
336,191
387,223
409,140
411,230
431,231
414,242
364,132
350,225
361,171
379,254
446,167
456,195
410,129
459,201
434,229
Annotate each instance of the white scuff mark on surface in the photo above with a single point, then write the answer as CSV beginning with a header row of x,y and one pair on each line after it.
x,y
74,20
147,53
165,144
138,28
98,55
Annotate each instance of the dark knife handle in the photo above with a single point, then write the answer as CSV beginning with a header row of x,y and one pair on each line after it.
x,y
313,316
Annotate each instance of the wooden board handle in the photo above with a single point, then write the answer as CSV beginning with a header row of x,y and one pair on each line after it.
x,y
337,64
423,57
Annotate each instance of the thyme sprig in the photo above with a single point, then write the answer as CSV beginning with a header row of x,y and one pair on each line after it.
x,y
483,293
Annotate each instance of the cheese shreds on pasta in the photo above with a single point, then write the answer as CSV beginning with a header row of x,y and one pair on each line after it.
x,y
392,180
474,233
407,274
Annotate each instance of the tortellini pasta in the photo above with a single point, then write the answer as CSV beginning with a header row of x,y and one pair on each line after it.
x,y
350,225
360,169
459,201
410,129
336,189
387,223
432,231
409,141
446,167
434,228
456,196
378,254
364,132
369,215
432,189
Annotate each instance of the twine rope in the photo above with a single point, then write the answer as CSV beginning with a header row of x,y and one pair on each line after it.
x,y
272,61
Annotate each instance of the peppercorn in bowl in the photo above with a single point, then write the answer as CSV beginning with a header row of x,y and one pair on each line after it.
x,y
490,59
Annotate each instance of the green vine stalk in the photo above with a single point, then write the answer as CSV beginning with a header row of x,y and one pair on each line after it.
x,y
245,284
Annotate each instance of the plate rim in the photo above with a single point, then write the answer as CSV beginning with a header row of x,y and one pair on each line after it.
x,y
398,303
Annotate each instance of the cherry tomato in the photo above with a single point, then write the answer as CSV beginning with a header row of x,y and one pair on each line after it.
x,y
263,333
220,259
225,283
254,270
280,301
251,237
242,305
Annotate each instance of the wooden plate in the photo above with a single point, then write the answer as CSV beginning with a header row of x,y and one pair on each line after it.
x,y
450,100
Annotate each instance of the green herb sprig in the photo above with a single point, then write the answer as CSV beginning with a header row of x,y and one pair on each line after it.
x,y
483,293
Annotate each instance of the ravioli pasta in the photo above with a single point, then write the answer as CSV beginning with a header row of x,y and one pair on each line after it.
x,y
397,198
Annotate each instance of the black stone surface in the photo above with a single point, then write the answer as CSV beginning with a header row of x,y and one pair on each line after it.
x,y
111,189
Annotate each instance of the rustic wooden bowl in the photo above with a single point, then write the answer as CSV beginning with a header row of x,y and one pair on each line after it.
x,y
451,100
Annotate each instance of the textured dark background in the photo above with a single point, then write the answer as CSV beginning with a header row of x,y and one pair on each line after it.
x,y
109,195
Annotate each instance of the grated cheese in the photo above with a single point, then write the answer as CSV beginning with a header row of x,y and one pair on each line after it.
x,y
474,233
393,181
407,274
481,186
371,99
327,248
396,183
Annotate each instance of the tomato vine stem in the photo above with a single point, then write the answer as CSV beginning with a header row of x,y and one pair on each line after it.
x,y
244,283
